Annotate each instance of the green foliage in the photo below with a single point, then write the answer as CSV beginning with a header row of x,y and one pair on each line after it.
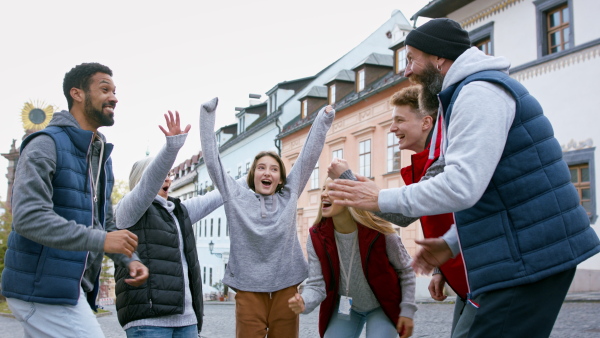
x,y
120,188
5,228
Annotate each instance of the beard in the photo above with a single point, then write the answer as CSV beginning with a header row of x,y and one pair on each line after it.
x,y
96,115
431,81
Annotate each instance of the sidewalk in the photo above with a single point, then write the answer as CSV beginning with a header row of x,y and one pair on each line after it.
x,y
572,297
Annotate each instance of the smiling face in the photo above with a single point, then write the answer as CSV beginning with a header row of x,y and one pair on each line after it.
x,y
100,101
164,190
328,208
410,128
267,175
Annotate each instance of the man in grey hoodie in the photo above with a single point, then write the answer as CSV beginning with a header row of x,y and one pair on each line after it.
x,y
518,221
62,215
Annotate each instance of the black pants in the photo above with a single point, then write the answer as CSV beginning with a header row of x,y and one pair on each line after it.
x,y
528,310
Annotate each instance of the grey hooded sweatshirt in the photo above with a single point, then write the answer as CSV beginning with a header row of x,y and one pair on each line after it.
x,y
265,254
33,214
475,139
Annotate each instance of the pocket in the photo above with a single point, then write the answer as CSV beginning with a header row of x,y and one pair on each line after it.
x,y
41,262
510,239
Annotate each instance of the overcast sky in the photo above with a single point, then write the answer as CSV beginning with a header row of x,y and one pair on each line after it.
x,y
172,55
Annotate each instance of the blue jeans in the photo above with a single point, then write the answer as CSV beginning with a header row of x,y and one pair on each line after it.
x,y
161,332
378,325
49,320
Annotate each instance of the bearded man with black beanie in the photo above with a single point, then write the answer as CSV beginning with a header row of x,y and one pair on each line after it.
x,y
518,220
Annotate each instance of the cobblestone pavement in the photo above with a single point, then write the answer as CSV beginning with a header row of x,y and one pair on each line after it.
x,y
577,320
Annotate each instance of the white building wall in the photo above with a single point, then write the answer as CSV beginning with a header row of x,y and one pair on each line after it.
x,y
565,87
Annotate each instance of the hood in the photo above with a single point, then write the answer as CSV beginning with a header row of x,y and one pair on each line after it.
x,y
64,118
473,61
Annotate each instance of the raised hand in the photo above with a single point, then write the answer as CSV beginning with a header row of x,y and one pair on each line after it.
x,y
337,168
296,304
173,125
121,241
362,194
210,106
328,109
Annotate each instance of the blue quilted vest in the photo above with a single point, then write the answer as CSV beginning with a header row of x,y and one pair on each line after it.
x,y
528,225
37,273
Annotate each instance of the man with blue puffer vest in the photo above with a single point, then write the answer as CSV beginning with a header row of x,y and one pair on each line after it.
x,y
518,221
62,215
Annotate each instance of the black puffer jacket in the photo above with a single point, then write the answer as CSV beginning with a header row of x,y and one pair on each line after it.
x,y
158,248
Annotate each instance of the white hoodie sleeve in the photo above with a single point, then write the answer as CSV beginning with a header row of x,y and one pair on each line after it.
x,y
477,132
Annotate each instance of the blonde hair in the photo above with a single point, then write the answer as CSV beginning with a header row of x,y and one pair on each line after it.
x,y
365,218
137,170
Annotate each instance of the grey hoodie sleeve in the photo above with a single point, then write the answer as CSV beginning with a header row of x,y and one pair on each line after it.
x,y
33,214
400,260
311,151
481,119
200,206
134,204
210,151
313,292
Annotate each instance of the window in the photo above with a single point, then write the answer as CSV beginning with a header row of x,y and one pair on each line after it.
x,y
482,38
273,102
210,276
580,177
400,60
558,29
360,80
211,227
314,177
239,172
338,153
364,158
332,94
582,167
226,228
304,108
247,167
204,278
242,124
393,153
219,227
205,228
555,26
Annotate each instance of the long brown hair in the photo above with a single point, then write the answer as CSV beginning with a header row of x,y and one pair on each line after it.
x,y
250,178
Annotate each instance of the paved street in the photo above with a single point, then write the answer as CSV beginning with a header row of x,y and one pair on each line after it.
x,y
576,319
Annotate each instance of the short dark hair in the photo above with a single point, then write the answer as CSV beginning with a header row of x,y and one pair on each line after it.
x,y
409,96
250,178
79,77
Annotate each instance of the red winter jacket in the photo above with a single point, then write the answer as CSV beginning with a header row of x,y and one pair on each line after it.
x,y
378,270
437,225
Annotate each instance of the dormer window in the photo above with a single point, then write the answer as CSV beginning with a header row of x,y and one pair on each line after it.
x,y
242,124
360,80
272,102
332,94
400,60
304,108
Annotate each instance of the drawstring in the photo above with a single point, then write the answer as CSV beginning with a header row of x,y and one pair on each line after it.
x,y
96,182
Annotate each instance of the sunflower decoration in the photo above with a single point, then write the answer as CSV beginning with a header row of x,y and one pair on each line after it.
x,y
36,115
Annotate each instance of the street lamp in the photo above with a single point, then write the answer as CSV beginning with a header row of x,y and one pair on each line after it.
x,y
211,247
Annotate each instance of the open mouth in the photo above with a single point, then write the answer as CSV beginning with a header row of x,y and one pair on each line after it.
x,y
325,204
266,183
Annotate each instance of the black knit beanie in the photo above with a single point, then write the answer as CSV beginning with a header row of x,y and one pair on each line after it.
x,y
440,37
